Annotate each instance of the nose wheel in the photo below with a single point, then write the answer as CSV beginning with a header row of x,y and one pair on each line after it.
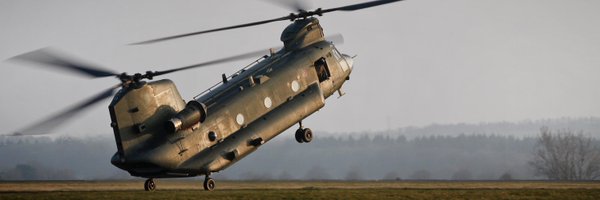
x,y
149,185
209,184
303,135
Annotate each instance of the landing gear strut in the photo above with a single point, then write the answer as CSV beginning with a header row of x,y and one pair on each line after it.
x,y
303,134
149,185
209,183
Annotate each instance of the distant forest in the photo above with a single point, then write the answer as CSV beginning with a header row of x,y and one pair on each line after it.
x,y
485,151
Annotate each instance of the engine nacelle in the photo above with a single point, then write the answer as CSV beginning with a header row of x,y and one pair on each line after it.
x,y
193,113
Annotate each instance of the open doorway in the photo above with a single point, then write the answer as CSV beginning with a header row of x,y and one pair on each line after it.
x,y
322,69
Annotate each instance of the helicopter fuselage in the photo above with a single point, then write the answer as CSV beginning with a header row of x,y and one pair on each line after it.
x,y
238,115
159,135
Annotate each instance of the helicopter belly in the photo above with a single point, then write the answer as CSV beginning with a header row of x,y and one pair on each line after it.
x,y
248,139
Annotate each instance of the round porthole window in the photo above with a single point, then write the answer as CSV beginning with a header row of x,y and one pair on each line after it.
x,y
212,136
268,103
239,119
295,86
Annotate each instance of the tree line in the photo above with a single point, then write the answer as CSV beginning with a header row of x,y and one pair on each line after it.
x,y
471,154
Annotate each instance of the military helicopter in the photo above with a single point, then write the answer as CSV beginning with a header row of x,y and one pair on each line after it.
x,y
159,135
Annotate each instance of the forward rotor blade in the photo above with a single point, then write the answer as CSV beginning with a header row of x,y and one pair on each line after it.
x,y
49,57
301,14
47,125
337,39
213,62
212,30
360,6
293,5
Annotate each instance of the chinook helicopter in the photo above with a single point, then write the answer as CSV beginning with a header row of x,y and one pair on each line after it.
x,y
159,135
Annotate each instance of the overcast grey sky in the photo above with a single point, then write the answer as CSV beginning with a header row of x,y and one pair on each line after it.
x,y
419,61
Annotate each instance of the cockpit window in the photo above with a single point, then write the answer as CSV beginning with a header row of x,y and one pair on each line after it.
x,y
340,59
322,69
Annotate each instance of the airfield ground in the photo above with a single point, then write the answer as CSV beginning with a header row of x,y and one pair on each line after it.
x,y
177,189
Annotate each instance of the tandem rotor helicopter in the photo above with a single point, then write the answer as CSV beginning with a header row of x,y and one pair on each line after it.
x,y
159,135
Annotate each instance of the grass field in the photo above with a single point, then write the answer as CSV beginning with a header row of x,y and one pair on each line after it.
x,y
174,189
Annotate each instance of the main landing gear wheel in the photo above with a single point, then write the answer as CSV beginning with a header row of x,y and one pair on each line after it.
x,y
209,184
149,185
304,135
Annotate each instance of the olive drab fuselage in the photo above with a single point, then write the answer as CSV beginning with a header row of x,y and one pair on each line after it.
x,y
158,134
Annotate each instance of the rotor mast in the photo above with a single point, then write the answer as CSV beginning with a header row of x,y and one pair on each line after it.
x,y
302,33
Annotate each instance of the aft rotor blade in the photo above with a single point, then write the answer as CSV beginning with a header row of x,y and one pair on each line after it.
x,y
49,57
47,125
212,30
217,61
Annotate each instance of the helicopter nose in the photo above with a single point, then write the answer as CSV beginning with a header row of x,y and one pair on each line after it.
x,y
349,60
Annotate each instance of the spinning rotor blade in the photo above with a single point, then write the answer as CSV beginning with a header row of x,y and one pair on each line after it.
x,y
47,125
222,60
337,38
212,30
48,57
360,6
301,14
293,5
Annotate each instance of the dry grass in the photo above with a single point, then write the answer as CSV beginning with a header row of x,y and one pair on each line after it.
x,y
188,189
173,184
